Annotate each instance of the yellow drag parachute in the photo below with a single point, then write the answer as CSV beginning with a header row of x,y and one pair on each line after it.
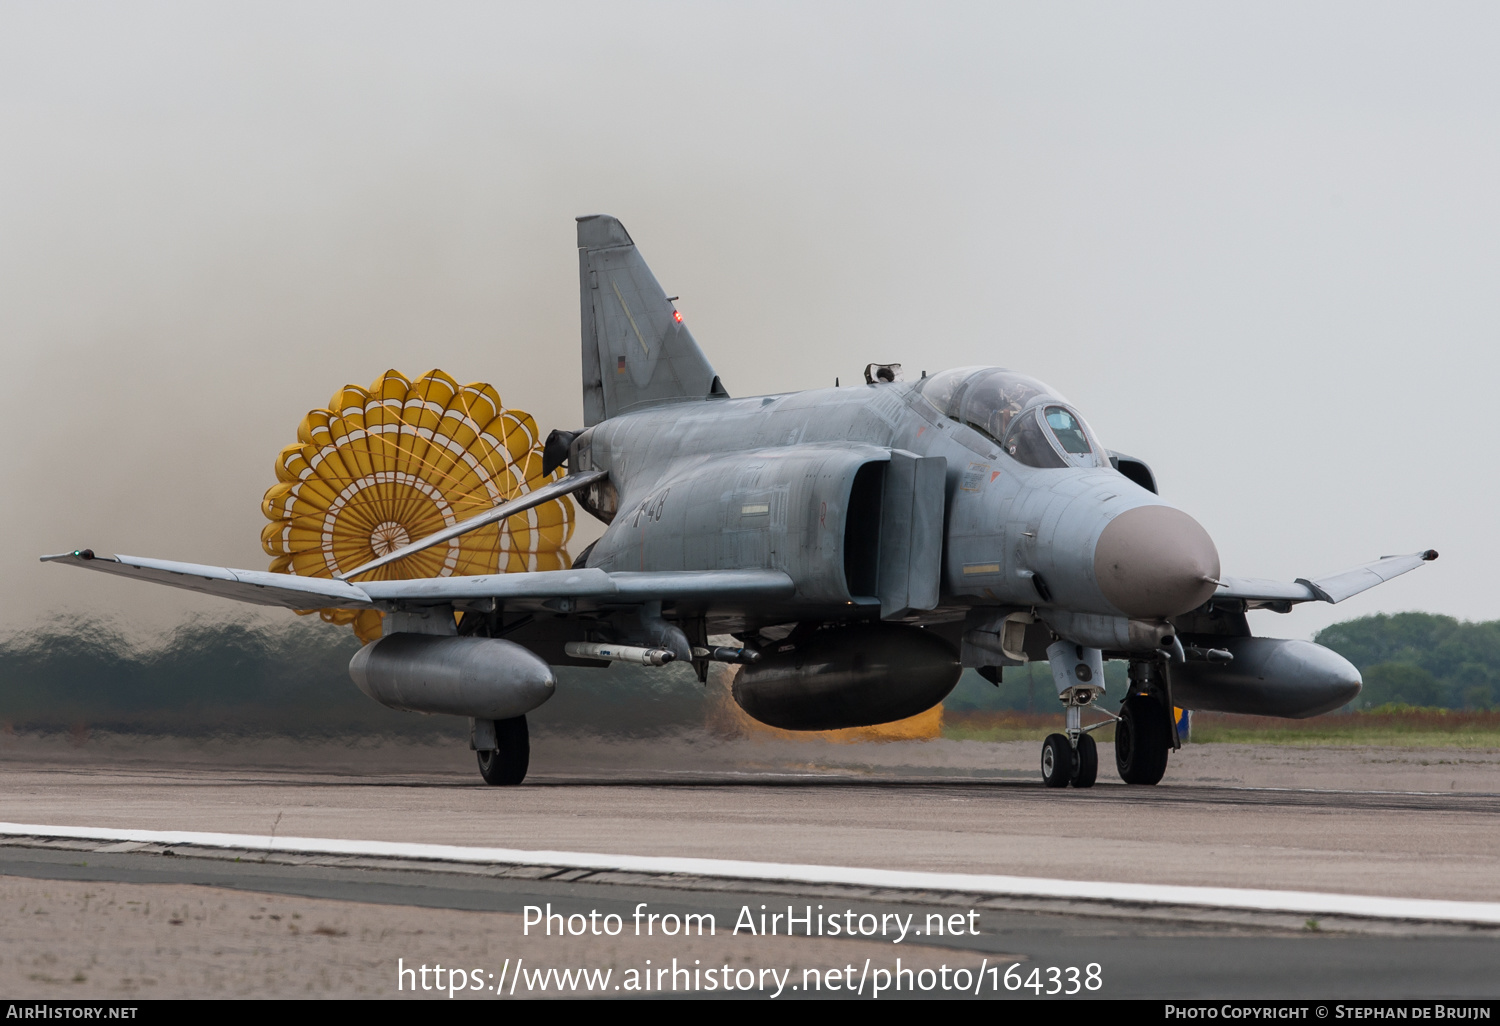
x,y
391,464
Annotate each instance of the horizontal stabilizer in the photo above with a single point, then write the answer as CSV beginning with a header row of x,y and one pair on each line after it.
x,y
1332,588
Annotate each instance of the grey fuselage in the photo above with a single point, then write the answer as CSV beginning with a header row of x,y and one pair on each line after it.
x,y
767,482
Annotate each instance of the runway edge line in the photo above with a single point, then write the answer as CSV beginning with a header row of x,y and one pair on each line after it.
x,y
1310,903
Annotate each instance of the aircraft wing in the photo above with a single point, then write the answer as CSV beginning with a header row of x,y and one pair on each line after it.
x,y
256,586
1332,588
591,585
583,585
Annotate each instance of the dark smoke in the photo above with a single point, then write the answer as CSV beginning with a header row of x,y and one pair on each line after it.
x,y
236,679
224,696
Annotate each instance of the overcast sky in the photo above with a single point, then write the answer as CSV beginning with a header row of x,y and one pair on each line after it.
x,y
1258,245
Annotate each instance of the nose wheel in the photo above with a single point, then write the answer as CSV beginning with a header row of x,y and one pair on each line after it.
x,y
1068,761
1086,763
1057,761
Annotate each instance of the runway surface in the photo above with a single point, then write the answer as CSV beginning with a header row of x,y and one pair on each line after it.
x,y
1135,958
1393,844
1397,842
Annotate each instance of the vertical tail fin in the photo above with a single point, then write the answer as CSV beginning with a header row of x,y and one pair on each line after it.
x,y
636,350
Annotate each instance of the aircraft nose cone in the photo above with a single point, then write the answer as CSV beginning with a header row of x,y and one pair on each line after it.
x,y
1155,561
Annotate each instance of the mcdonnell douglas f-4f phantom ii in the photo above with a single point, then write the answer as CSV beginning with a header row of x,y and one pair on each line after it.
x,y
863,544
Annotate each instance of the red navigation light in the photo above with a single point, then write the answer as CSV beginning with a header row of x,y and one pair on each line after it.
x,y
677,316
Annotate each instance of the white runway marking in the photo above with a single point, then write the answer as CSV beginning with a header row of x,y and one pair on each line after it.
x,y
1310,903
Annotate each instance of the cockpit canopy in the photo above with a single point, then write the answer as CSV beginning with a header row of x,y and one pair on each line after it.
x,y
1024,417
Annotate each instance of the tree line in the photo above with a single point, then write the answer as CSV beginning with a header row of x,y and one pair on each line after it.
x,y
292,678
289,678
1421,659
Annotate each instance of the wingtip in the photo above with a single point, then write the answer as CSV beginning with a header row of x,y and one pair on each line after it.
x,y
1430,555
84,554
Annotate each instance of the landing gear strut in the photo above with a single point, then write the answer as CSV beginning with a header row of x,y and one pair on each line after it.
x,y
1073,758
504,750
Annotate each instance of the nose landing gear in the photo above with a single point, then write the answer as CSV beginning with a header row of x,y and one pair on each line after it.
x,y
1073,758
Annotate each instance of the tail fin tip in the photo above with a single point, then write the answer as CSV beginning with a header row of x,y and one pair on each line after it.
x,y
601,231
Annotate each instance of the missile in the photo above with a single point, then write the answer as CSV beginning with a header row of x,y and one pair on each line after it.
x,y
619,653
721,654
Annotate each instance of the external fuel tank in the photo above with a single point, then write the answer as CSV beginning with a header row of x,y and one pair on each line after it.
x,y
1267,677
848,677
486,678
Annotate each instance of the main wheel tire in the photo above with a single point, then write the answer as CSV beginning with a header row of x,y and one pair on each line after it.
x,y
1057,761
506,765
1086,764
1141,741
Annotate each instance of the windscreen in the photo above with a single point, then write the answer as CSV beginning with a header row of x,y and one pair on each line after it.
x,y
1028,419
1031,443
1068,430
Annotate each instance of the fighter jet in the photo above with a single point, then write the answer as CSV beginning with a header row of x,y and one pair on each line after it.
x,y
861,544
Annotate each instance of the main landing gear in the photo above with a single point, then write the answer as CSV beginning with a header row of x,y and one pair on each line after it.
x,y
1141,743
504,749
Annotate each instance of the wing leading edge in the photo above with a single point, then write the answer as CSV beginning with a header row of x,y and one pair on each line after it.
x,y
596,586
302,593
1332,588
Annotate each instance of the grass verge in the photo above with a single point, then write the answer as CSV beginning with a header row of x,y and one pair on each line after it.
x,y
1399,728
